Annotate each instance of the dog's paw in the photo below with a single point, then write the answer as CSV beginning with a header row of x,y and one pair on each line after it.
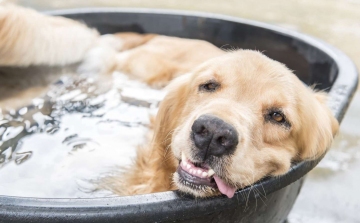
x,y
101,59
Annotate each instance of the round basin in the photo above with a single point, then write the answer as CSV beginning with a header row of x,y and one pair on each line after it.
x,y
269,200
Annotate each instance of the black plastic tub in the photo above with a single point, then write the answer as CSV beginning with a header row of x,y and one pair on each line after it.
x,y
268,201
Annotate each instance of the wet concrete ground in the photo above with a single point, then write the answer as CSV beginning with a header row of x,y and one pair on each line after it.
x,y
330,193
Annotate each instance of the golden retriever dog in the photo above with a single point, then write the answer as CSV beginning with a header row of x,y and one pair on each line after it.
x,y
228,120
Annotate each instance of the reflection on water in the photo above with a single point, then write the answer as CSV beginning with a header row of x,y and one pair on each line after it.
x,y
14,125
79,130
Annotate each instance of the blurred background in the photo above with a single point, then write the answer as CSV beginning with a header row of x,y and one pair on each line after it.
x,y
330,193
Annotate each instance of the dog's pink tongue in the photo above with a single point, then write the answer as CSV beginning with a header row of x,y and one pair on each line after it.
x,y
224,188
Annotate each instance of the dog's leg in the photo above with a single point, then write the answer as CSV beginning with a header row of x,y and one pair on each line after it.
x,y
148,67
30,38
158,59
102,58
141,60
130,40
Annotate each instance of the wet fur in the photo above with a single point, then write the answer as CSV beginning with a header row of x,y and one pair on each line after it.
x,y
30,38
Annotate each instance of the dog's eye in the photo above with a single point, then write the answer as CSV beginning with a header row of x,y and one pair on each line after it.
x,y
277,116
209,86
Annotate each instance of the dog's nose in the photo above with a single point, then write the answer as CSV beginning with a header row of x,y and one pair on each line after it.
x,y
213,136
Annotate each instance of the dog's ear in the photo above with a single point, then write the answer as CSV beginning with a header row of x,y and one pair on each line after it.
x,y
170,110
318,127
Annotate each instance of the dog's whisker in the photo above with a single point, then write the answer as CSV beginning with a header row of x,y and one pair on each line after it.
x,y
258,191
167,135
248,195
167,150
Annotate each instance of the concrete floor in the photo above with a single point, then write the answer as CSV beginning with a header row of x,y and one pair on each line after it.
x,y
330,193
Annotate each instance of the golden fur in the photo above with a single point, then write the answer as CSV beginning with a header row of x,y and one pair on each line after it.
x,y
30,38
250,87
162,58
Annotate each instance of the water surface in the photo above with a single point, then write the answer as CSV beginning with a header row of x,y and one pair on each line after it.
x,y
79,131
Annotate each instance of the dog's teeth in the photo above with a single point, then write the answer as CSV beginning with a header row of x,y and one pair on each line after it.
x,y
199,171
204,174
211,172
192,171
183,158
188,166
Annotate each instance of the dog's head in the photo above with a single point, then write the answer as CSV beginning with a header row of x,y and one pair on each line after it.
x,y
239,118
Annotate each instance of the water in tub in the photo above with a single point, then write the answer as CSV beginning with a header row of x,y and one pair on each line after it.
x,y
55,147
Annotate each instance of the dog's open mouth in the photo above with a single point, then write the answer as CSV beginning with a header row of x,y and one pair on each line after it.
x,y
198,176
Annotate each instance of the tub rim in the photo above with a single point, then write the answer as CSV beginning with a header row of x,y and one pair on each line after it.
x,y
340,96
